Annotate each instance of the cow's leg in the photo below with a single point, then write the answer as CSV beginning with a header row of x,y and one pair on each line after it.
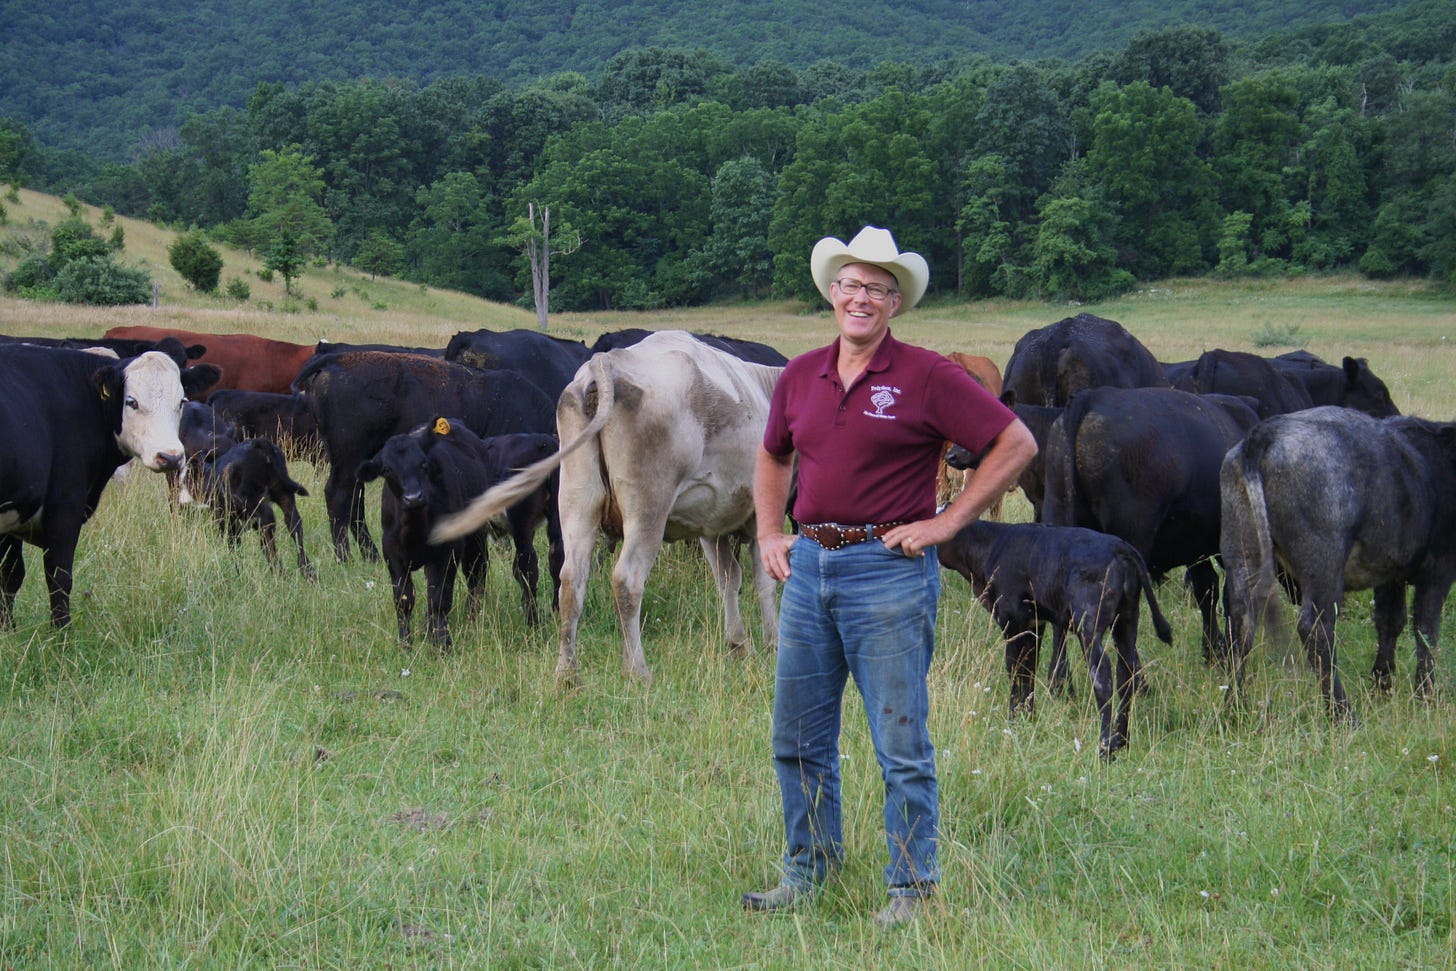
x,y
1022,648
294,522
263,520
358,526
1429,599
581,517
555,551
338,498
1058,683
1099,667
1128,672
1317,630
767,589
1390,618
728,576
12,574
525,567
640,546
403,583
60,557
1202,579
440,597
476,565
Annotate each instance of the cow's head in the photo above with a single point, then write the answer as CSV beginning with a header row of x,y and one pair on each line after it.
x,y
405,468
150,390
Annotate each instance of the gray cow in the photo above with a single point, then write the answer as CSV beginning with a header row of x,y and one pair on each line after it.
x,y
1341,501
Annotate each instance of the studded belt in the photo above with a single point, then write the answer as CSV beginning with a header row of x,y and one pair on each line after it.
x,y
832,536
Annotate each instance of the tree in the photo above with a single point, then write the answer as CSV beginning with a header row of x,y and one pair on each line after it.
x,y
199,264
379,253
288,224
736,251
535,241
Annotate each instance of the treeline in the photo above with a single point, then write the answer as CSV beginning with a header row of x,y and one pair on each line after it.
x,y
674,179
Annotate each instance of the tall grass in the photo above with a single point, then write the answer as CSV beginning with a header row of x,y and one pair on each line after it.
x,y
223,766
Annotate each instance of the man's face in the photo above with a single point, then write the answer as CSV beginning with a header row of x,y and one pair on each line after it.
x,y
862,318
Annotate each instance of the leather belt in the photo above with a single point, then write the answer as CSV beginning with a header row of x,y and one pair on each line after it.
x,y
832,536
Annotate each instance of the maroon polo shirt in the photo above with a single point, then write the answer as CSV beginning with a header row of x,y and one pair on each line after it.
x,y
870,454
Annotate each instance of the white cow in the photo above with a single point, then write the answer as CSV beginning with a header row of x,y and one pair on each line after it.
x,y
658,444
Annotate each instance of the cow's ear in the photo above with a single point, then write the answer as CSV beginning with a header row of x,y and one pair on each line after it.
x,y
199,377
110,382
370,469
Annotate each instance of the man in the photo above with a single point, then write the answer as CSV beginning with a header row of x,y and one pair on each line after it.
x,y
866,417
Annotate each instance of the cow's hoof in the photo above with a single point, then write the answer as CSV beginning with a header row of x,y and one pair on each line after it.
x,y
567,678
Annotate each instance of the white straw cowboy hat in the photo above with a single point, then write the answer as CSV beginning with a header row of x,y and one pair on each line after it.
x,y
877,247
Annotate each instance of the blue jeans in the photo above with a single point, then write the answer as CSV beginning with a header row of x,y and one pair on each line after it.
x,y
867,612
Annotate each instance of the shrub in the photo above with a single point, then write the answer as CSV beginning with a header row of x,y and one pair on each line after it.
x,y
199,264
100,282
239,289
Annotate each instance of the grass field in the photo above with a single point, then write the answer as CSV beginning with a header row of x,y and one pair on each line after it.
x,y
219,766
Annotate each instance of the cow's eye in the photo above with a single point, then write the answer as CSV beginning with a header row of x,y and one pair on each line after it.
x,y
132,403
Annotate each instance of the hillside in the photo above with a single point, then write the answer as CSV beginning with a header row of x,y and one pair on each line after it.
x,y
105,78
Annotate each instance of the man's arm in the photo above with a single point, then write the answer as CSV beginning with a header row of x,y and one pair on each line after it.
x,y
772,475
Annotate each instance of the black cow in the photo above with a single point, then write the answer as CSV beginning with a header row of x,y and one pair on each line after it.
x,y
550,362
121,347
242,484
1049,365
362,398
283,418
1350,385
1029,575
1039,419
1341,501
1249,375
68,420
753,352
436,470
1142,464
343,347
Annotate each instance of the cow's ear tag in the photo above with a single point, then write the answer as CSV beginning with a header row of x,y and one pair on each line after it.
x,y
442,427
105,393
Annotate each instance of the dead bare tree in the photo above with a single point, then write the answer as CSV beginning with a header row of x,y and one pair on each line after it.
x,y
539,252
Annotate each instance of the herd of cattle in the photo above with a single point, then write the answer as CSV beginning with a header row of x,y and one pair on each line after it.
x,y
1299,478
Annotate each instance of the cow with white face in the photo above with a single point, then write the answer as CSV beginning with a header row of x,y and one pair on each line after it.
x,y
657,444
68,420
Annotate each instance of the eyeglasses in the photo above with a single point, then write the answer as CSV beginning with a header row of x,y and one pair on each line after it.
x,y
850,286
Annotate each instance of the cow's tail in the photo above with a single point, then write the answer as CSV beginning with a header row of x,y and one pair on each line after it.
x,y
502,496
1161,627
1264,589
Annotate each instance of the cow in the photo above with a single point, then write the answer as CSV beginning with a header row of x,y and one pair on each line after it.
x,y
342,347
118,347
1241,373
550,362
360,399
1341,501
1039,419
657,444
951,479
754,352
1029,575
1049,365
247,361
1351,384
242,483
1142,464
283,418
434,470
68,420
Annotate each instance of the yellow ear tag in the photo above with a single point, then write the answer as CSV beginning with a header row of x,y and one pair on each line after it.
x,y
442,427
105,393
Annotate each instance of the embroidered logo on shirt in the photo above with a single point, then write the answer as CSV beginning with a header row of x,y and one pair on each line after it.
x,y
882,396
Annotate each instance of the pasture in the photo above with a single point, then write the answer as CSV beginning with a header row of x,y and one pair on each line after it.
x,y
220,766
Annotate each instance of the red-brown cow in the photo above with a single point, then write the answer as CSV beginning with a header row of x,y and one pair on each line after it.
x,y
950,481
249,362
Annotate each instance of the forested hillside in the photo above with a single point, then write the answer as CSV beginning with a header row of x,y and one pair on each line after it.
x,y
675,177
109,76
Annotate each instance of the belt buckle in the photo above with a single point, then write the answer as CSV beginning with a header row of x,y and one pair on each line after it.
x,y
839,537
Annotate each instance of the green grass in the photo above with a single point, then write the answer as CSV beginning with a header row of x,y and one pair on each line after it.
x,y
219,766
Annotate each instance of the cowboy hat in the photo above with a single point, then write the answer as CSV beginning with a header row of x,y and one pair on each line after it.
x,y
876,247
